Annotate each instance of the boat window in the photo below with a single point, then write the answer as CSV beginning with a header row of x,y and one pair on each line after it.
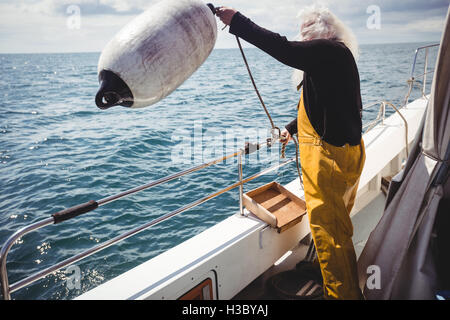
x,y
202,291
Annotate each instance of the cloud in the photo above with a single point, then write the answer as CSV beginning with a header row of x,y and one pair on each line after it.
x,y
34,25
87,7
420,19
42,26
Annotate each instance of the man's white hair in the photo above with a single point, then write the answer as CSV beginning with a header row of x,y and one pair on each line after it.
x,y
318,22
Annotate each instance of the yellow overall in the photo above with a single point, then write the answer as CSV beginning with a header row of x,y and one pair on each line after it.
x,y
331,176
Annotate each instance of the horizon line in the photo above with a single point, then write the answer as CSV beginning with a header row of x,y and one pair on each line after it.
x,y
222,48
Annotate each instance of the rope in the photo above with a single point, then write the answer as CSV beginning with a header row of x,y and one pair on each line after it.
x,y
283,148
297,158
254,84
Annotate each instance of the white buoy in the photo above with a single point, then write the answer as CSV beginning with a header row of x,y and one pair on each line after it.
x,y
155,53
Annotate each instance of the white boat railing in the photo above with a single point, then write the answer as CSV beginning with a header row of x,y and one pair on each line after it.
x,y
413,77
76,211
381,116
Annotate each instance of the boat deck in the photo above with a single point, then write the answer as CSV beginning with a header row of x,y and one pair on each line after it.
x,y
241,252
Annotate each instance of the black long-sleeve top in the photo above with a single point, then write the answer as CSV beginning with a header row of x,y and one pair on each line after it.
x,y
331,85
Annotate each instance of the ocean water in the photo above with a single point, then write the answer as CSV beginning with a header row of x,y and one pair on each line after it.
x,y
57,149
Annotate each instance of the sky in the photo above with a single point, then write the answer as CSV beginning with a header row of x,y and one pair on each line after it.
x,y
34,26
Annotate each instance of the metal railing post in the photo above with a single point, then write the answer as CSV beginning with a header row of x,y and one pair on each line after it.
x,y
425,73
6,292
241,185
406,125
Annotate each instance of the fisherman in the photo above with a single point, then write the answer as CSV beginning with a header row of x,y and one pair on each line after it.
x,y
328,127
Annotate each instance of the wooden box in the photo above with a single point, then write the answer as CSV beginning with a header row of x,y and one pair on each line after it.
x,y
275,205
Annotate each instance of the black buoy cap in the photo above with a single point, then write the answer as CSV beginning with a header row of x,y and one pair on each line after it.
x,y
211,6
113,91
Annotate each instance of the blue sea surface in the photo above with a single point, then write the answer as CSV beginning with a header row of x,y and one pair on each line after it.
x,y
57,150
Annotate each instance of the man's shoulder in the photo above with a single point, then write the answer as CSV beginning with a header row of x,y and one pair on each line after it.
x,y
332,51
332,44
